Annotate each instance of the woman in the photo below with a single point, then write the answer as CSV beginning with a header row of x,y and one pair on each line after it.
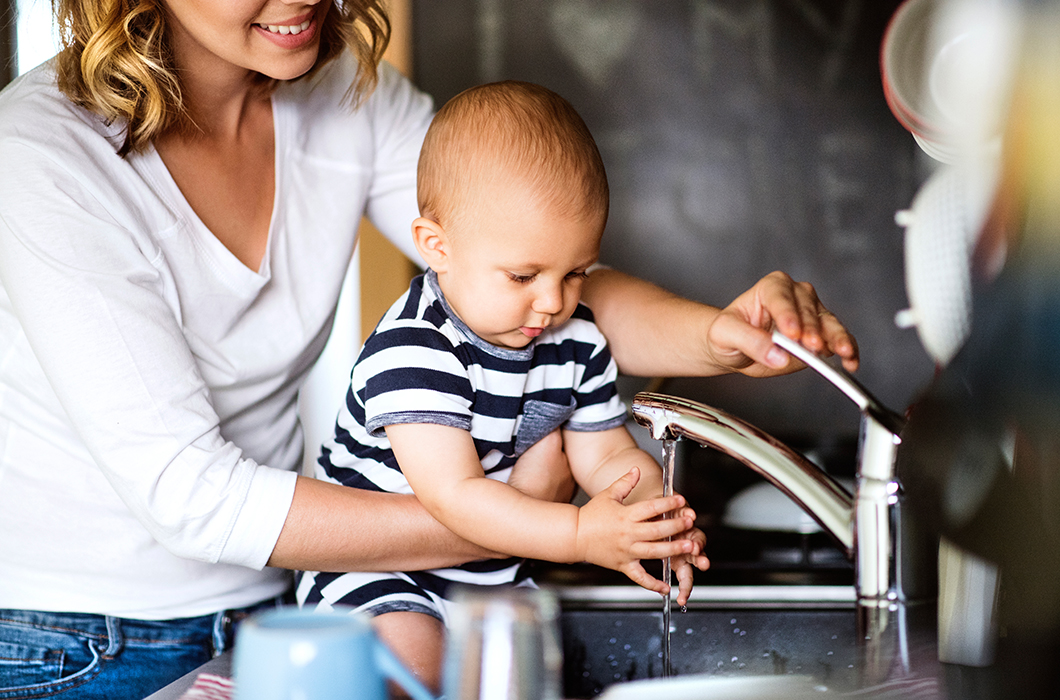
x,y
181,190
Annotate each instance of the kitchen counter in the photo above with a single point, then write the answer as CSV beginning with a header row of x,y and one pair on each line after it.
x,y
613,635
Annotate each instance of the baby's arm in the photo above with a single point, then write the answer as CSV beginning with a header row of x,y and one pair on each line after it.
x,y
443,468
597,457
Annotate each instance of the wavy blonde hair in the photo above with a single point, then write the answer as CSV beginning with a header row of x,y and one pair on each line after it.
x,y
115,60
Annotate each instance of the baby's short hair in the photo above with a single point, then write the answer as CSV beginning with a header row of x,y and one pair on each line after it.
x,y
510,129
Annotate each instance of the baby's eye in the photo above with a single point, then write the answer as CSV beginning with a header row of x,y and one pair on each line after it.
x,y
577,275
521,279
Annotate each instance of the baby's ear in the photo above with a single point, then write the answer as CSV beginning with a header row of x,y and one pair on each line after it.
x,y
432,242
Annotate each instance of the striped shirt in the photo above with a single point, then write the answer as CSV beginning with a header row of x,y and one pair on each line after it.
x,y
422,364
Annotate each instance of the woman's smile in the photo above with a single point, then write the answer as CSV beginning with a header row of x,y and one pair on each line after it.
x,y
287,28
289,34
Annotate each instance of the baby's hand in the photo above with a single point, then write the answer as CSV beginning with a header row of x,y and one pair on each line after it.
x,y
618,536
682,564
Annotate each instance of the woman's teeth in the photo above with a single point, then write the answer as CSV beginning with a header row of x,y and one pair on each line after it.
x,y
287,28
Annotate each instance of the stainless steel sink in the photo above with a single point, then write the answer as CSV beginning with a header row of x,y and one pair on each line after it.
x,y
613,634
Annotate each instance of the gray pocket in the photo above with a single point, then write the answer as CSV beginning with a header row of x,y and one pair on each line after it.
x,y
539,419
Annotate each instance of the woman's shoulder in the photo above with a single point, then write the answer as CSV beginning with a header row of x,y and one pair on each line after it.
x,y
34,113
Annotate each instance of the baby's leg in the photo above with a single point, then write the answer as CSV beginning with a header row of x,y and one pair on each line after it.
x,y
418,641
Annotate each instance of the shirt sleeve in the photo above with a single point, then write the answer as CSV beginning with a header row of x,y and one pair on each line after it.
x,y
412,374
89,294
402,114
598,404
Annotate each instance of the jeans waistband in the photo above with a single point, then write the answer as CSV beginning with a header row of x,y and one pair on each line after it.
x,y
219,627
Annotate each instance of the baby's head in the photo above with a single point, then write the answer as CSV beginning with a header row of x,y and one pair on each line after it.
x,y
517,134
513,200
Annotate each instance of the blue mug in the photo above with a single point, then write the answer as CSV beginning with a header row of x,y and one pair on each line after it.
x,y
287,653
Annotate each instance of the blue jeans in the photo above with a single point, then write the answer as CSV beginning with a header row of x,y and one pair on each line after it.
x,y
77,655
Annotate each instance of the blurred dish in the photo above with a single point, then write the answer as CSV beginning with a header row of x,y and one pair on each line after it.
x,y
946,68
763,506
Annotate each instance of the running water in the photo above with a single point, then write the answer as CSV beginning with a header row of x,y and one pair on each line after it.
x,y
668,490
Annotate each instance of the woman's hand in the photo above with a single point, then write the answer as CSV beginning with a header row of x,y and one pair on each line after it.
x,y
739,338
654,333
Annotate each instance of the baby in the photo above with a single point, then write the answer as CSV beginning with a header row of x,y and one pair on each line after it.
x,y
488,353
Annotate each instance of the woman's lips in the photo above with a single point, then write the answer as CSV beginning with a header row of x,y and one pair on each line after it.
x,y
290,36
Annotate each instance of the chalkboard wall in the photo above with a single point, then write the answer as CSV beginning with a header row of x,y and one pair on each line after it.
x,y
740,136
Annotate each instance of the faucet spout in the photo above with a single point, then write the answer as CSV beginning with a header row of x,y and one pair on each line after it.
x,y
823,498
864,525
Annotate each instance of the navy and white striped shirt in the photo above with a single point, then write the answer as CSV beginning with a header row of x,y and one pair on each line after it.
x,y
422,364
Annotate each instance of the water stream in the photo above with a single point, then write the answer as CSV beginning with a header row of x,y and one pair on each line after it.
x,y
668,490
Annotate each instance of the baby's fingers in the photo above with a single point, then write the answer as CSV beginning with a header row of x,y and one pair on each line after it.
x,y
661,549
661,529
639,576
684,582
655,507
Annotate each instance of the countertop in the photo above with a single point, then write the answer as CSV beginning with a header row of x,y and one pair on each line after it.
x,y
825,649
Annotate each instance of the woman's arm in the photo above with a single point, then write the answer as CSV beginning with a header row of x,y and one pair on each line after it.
x,y
338,528
652,332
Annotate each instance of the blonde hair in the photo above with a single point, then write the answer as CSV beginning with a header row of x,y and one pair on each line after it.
x,y
515,130
115,60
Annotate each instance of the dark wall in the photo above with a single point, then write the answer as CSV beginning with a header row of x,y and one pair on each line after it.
x,y
740,136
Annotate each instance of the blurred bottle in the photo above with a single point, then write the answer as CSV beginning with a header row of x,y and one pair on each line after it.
x,y
503,645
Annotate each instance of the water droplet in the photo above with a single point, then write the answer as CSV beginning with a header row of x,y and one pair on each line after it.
x,y
610,657
618,676
835,636
585,674
742,665
732,621
618,623
612,641
626,647
614,664
684,608
850,665
743,633
735,659
720,664
830,653
736,630
689,631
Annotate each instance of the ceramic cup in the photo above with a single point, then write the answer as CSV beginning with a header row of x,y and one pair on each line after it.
x,y
288,654
503,645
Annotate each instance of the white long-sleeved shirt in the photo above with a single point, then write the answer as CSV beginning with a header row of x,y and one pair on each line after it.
x,y
149,435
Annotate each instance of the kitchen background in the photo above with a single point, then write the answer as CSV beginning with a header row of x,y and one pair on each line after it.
x,y
740,136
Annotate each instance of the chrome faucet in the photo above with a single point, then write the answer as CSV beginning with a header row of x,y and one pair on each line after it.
x,y
866,524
